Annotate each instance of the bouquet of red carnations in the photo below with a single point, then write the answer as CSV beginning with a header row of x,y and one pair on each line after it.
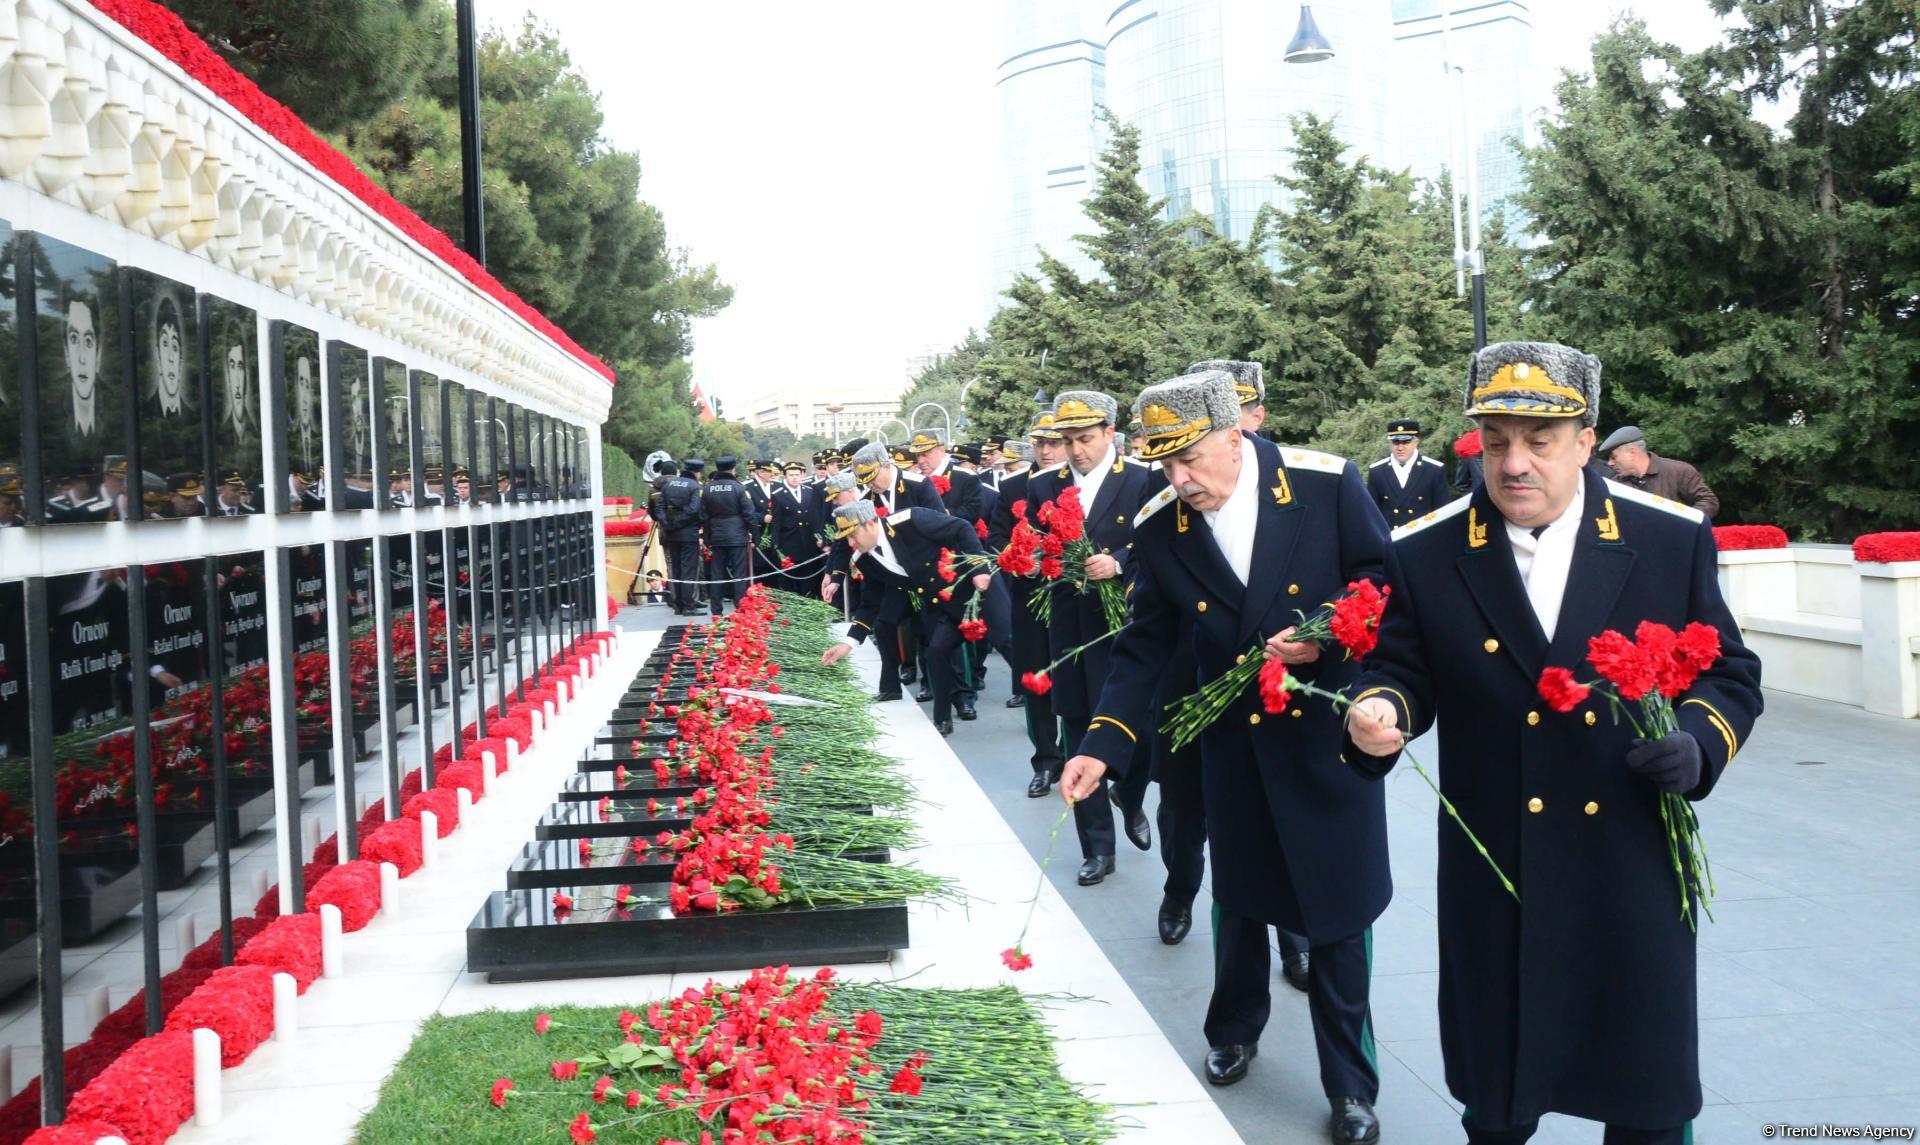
x,y
1058,550
1640,679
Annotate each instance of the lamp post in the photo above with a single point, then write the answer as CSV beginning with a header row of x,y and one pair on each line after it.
x,y
1309,46
834,408
473,213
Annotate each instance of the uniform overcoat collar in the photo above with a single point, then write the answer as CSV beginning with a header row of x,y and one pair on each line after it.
x,y
1595,577
1278,524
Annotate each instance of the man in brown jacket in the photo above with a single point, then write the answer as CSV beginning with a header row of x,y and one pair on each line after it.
x,y
1636,465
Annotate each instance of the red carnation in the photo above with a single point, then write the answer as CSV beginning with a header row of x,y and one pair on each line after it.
x,y
600,1089
562,903
542,1023
581,1131
1016,958
879,509
1561,691
980,529
906,1081
1356,617
1036,683
1274,695
943,483
1622,665
786,562
502,1087
973,629
1052,568
565,1071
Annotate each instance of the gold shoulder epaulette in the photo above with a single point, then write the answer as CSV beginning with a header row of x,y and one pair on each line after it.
x,y
1154,504
1451,509
1141,464
1642,497
913,475
1297,458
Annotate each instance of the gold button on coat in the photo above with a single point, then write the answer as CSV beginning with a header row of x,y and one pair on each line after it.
x,y
1120,520
1293,590
1254,718
1297,713
1200,607
1592,808
1241,659
1536,805
1533,719
1592,719
1491,645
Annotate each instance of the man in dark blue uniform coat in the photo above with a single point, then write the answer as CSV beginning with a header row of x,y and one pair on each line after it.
x,y
1112,489
728,525
890,488
961,496
1298,841
678,520
1579,998
1407,484
1029,635
793,505
898,557
760,484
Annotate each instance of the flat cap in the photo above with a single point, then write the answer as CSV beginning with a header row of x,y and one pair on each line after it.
x,y
1249,379
1180,411
868,461
726,461
794,467
694,465
852,515
1403,429
1534,379
1625,435
1078,409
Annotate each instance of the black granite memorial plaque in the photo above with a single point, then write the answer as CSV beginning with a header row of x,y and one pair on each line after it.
x,y
230,358
83,401
170,429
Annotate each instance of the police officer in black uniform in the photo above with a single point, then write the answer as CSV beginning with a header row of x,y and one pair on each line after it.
x,y
678,518
1407,484
727,525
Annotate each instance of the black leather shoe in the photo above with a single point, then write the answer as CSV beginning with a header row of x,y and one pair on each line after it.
x,y
966,711
1040,784
1228,1064
1176,919
1139,829
907,675
1096,869
944,727
885,697
1296,971
926,695
1353,1122
1016,701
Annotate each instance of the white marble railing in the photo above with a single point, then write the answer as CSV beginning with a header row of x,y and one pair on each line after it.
x,y
1828,626
93,117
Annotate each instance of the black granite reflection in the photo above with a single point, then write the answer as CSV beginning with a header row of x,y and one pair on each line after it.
x,y
170,431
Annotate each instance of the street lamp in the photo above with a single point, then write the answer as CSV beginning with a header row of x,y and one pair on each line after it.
x,y
1308,45
834,408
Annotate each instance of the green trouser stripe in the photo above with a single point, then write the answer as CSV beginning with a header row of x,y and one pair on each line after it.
x,y
1686,1136
1366,1027
966,665
1214,939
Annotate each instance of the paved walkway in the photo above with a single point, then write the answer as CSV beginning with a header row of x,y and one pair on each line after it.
x,y
1809,980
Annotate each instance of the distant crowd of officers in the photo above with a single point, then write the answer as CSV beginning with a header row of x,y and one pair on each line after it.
x,y
1576,996
88,493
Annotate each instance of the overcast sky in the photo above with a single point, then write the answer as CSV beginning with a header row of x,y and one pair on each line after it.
x,y
834,160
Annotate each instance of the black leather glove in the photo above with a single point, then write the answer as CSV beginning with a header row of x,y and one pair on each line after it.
x,y
1672,763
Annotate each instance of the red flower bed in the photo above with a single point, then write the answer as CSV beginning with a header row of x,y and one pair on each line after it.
x,y
354,888
396,841
443,804
463,774
1887,548
147,1092
1742,538
410,786
74,1133
495,745
167,33
514,727
236,1002
632,527
1467,444
290,945
128,1024
206,956
617,500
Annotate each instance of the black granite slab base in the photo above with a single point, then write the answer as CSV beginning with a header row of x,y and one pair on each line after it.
x,y
591,786
517,936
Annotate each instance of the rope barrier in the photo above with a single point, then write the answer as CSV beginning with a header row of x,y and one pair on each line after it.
x,y
751,578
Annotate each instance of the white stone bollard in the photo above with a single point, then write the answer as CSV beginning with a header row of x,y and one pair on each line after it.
x,y
463,799
184,937
110,1141
286,1007
97,1006
484,776
513,754
331,956
206,1077
389,886
429,837
489,764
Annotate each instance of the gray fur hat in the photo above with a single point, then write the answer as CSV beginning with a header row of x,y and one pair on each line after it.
x,y
852,515
840,482
868,461
1016,449
1249,380
1534,379
1078,409
1176,413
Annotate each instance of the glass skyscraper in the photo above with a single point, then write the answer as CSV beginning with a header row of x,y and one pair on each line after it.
x,y
1051,82
1205,83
